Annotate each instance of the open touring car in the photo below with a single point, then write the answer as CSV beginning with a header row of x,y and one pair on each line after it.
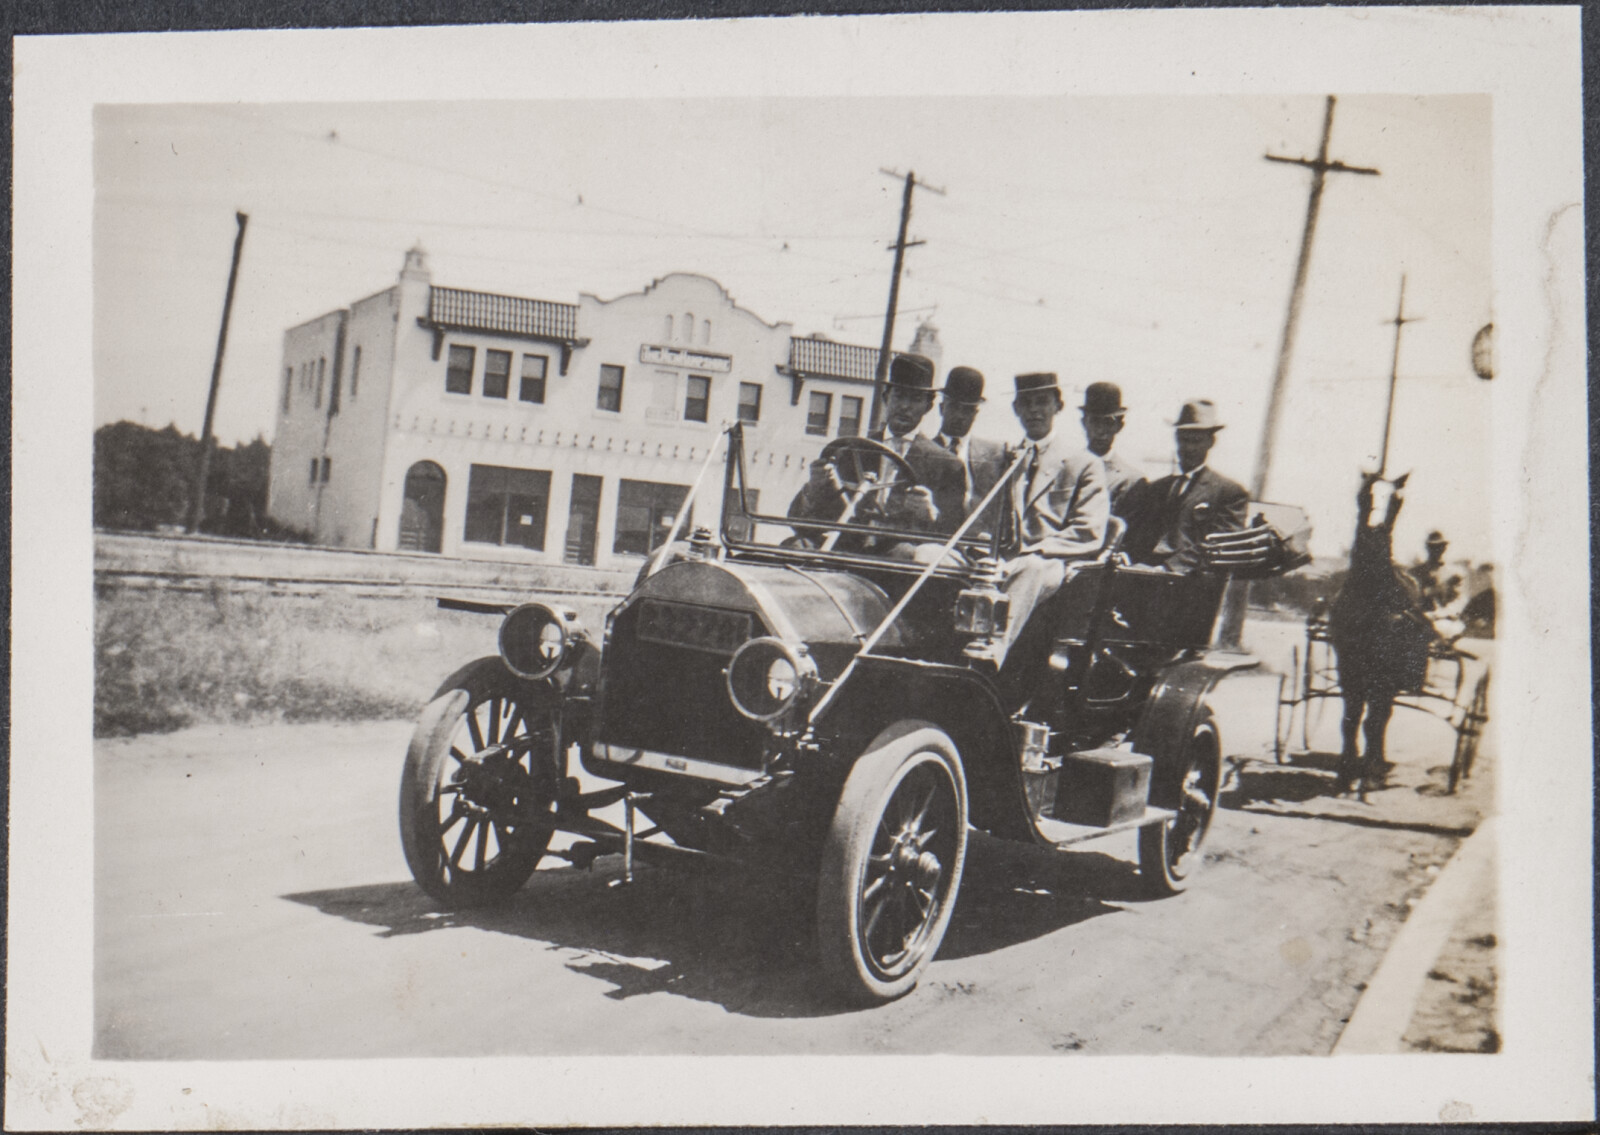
x,y
817,703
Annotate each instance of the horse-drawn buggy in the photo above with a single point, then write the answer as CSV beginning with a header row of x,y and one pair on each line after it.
x,y
817,706
1373,648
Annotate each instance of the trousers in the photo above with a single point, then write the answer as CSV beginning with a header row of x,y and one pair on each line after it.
x,y
1030,580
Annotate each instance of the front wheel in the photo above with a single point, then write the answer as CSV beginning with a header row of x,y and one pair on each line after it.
x,y
479,785
1169,852
892,863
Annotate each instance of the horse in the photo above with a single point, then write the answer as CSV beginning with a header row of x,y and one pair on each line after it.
x,y
1380,634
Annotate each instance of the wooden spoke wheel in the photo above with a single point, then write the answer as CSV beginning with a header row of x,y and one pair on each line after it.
x,y
1470,732
479,785
892,863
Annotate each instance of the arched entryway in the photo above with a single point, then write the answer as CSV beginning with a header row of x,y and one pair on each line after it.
x,y
422,511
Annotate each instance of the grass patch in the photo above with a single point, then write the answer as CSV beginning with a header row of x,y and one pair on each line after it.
x,y
166,660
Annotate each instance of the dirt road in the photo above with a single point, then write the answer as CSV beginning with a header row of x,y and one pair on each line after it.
x,y
252,902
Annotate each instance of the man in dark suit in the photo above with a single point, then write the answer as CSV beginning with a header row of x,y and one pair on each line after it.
x,y
982,460
937,504
1186,507
1103,412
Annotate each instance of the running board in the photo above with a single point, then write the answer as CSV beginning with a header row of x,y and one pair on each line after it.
x,y
1063,834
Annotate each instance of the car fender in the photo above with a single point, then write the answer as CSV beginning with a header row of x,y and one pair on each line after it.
x,y
884,693
1172,711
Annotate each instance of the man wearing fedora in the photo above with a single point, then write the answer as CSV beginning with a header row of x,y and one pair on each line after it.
x,y
1059,503
937,502
1103,413
1186,507
982,460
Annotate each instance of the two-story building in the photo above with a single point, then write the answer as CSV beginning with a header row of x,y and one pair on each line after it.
x,y
434,419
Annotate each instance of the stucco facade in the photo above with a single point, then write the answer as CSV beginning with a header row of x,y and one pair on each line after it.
x,y
496,427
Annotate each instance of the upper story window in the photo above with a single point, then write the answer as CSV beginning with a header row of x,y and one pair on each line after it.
x,y
458,374
610,396
322,374
534,369
850,416
697,399
355,373
288,381
821,409
749,401
496,373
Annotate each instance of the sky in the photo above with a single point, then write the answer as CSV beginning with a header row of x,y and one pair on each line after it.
x,y
1141,240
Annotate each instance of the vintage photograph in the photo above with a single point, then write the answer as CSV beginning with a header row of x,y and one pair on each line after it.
x,y
701,573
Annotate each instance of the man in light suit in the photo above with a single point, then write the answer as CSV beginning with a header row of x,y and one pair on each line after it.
x,y
1186,507
982,460
1060,504
938,502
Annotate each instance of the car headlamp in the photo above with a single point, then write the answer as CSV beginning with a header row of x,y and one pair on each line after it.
x,y
768,676
535,640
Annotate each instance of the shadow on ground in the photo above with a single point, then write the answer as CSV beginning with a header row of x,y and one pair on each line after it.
x,y
1310,778
718,933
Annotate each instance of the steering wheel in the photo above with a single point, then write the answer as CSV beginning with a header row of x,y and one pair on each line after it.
x,y
866,466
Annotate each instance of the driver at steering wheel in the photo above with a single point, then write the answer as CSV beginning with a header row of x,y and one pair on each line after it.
x,y
935,502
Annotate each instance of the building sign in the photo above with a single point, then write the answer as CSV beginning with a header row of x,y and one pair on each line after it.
x,y
678,357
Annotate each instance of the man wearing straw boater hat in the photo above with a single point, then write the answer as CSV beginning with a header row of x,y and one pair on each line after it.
x,y
938,501
982,460
1059,503
1192,503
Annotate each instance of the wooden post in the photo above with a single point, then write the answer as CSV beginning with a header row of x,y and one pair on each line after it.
x,y
204,471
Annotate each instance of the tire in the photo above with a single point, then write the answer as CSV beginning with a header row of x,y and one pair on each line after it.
x,y
480,773
891,866
1169,852
1470,732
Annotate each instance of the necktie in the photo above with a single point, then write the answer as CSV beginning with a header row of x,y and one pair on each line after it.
x,y
1033,470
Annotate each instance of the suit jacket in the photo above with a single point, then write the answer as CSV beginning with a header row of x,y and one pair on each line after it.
x,y
1126,482
1175,524
935,467
1063,513
983,461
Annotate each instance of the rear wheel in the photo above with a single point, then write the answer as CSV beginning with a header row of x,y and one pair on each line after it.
x,y
479,785
1169,852
892,863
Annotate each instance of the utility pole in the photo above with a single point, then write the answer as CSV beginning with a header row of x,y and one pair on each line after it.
x,y
1399,321
1234,606
900,246
204,471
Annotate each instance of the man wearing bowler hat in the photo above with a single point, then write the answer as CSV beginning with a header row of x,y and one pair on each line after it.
x,y
982,460
1103,413
1059,502
1186,507
937,502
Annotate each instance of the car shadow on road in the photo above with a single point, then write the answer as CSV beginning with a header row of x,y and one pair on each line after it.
x,y
719,933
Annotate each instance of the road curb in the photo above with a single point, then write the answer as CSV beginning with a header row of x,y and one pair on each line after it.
x,y
1385,1009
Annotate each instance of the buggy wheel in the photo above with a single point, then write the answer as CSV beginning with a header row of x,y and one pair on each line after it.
x,y
892,863
479,783
1289,697
1169,852
1470,732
